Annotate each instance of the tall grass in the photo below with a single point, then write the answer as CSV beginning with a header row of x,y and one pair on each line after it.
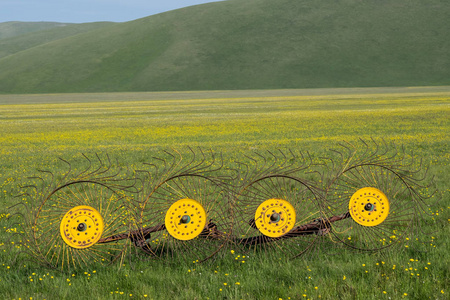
x,y
34,135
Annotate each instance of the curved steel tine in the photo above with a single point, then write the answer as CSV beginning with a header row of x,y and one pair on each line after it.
x,y
264,159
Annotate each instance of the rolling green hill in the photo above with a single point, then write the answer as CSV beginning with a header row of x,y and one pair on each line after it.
x,y
246,44
22,42
14,28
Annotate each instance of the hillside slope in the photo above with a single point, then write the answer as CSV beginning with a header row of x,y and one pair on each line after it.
x,y
247,44
22,42
14,28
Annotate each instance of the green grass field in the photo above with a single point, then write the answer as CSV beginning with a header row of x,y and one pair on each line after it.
x,y
133,127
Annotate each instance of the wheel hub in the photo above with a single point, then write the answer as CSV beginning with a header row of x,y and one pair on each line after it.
x,y
369,207
275,217
185,219
81,227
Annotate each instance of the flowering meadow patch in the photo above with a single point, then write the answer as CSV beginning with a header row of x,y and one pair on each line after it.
x,y
34,135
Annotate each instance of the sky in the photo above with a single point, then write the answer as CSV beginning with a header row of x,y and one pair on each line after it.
x,y
83,11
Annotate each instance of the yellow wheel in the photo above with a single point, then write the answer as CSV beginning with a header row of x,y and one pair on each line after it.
x,y
185,219
369,206
269,213
275,217
81,224
379,204
81,227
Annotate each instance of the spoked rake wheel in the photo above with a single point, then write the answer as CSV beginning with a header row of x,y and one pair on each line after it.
x,y
80,224
377,199
185,217
277,214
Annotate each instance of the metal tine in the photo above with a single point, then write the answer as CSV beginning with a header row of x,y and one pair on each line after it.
x,y
375,155
40,178
189,165
273,166
412,162
210,166
155,165
293,159
284,164
327,170
49,187
396,158
408,174
366,149
26,187
419,168
400,153
306,163
164,169
175,162
265,160
87,169
246,172
200,166
350,149
367,156
113,176
95,171
68,171
385,146
221,167
106,169
339,167
251,171
314,170
82,172
392,160
379,156
149,174
173,166
25,235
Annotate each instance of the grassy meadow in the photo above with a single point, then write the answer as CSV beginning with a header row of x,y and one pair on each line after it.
x,y
133,127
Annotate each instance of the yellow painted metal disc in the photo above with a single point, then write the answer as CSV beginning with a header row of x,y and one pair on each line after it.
x,y
81,227
275,217
369,206
185,219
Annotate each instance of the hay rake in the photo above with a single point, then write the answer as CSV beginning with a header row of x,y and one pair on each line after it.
x,y
73,218
183,210
189,206
379,190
